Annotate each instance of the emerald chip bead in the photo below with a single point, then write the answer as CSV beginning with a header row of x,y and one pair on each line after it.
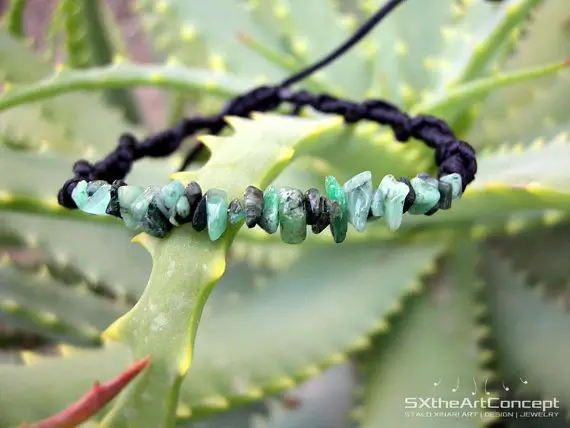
x,y
216,212
140,206
169,196
236,211
456,184
182,211
292,216
358,192
338,216
427,194
127,196
98,202
393,194
79,194
269,220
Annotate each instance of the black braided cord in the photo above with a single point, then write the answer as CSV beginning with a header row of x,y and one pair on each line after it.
x,y
451,155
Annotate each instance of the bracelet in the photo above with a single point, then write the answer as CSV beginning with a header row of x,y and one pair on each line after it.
x,y
99,188
157,210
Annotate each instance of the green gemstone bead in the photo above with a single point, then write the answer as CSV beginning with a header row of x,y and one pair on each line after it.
x,y
140,206
446,195
338,222
427,194
216,212
358,192
236,211
79,194
93,186
97,204
377,205
393,194
292,216
456,184
154,223
269,220
169,196
181,211
127,196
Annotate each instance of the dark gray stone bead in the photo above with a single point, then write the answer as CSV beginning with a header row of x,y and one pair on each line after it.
x,y
445,195
253,205
312,201
200,218
410,197
324,218
154,222
114,207
193,193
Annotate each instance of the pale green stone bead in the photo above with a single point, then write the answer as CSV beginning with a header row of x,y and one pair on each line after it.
x,y
79,194
269,220
93,186
377,205
427,194
393,194
127,195
292,217
140,206
358,192
456,184
182,210
216,212
338,218
97,204
168,198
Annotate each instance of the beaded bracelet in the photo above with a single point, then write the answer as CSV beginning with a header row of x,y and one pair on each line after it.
x,y
157,210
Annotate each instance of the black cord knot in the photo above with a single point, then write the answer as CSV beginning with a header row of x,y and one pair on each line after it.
x,y
64,195
82,169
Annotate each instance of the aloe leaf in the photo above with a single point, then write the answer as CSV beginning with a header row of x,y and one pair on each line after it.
x,y
24,403
323,401
397,46
316,29
435,355
536,107
524,326
13,17
41,305
30,182
69,124
547,264
168,313
508,182
455,101
120,75
88,44
481,33
188,20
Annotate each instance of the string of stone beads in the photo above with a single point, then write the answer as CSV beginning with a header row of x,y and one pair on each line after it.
x,y
157,210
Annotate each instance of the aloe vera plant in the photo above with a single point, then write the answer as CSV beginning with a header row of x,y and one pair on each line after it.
x,y
247,331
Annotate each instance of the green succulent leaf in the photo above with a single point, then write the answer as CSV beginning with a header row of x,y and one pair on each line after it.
x,y
29,399
545,266
164,322
13,18
177,21
124,74
536,107
68,124
242,361
524,327
434,354
41,305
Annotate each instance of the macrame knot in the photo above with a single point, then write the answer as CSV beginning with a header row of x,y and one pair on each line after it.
x,y
261,99
82,169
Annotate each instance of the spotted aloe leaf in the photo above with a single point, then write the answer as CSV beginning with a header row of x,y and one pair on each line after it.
x,y
69,123
524,324
536,107
435,354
